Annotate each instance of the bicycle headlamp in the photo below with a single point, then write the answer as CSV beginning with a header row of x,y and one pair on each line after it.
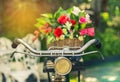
x,y
63,65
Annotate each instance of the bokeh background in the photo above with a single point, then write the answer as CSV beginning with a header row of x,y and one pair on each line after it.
x,y
18,18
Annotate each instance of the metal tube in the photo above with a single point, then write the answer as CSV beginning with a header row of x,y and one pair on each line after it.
x,y
57,51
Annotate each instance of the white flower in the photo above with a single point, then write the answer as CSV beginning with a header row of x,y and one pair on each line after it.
x,y
57,38
87,16
76,10
67,25
71,36
64,31
62,37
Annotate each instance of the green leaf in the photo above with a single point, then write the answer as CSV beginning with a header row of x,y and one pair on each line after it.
x,y
83,25
72,16
50,39
59,12
81,14
56,15
48,15
38,25
40,22
76,27
69,10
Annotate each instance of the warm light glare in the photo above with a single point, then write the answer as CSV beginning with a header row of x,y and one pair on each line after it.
x,y
20,15
20,5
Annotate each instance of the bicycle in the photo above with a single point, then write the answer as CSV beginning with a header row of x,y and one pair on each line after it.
x,y
60,61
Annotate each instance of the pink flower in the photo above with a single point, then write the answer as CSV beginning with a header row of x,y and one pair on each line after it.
x,y
83,32
58,32
82,20
88,31
63,19
91,31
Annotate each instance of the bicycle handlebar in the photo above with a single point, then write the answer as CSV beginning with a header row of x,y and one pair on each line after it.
x,y
20,41
15,43
98,44
79,52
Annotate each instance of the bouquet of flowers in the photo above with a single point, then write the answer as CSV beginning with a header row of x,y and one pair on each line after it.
x,y
71,24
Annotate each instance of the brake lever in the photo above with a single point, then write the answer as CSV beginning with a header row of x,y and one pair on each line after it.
x,y
98,44
15,43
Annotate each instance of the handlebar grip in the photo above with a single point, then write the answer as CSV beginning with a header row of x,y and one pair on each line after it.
x,y
15,43
98,44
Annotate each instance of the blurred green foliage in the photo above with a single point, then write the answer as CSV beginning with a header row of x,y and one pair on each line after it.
x,y
111,42
109,31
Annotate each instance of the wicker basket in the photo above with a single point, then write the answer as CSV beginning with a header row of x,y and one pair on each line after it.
x,y
67,42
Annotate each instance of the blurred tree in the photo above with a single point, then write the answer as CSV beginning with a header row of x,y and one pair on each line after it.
x,y
1,15
104,5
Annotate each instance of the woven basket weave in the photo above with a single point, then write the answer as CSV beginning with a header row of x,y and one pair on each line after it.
x,y
67,42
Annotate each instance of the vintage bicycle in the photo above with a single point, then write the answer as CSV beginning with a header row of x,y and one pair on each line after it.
x,y
60,61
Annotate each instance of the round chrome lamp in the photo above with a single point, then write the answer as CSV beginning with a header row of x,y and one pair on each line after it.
x,y
63,65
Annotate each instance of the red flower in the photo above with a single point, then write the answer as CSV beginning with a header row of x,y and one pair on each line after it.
x,y
73,22
63,19
58,32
